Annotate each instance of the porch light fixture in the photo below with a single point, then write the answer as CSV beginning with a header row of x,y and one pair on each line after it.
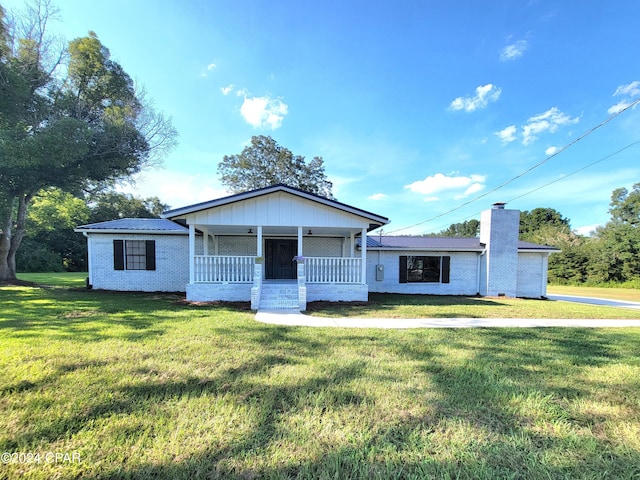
x,y
309,232
250,231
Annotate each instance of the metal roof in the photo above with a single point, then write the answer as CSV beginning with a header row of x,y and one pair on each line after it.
x,y
391,242
135,225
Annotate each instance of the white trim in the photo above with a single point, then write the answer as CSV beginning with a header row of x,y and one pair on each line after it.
x,y
125,231
363,253
192,253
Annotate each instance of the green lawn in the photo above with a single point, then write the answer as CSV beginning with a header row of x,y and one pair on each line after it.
x,y
435,306
61,279
146,386
598,292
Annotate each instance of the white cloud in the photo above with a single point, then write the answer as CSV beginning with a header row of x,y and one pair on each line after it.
x,y
440,182
228,89
513,51
548,121
551,150
264,112
631,90
175,188
473,188
507,134
206,70
618,107
377,196
485,94
586,230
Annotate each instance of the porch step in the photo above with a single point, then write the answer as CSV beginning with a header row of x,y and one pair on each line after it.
x,y
279,296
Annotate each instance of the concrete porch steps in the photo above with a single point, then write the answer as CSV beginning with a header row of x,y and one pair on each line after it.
x,y
279,296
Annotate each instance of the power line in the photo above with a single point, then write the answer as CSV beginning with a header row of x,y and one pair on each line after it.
x,y
542,162
606,157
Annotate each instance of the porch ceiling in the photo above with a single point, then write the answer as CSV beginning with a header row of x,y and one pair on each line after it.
x,y
277,230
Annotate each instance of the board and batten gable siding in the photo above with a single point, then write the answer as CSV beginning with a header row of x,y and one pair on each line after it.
x,y
171,272
277,209
463,279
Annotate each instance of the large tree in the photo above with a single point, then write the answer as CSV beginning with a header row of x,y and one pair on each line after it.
x,y
468,228
264,163
69,118
616,249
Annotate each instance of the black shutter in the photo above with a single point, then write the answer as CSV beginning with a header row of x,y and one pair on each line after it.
x,y
402,274
446,268
118,254
150,246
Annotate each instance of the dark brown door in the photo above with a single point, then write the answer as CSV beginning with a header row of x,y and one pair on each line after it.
x,y
280,264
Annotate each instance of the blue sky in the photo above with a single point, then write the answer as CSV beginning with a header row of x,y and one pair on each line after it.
x,y
417,107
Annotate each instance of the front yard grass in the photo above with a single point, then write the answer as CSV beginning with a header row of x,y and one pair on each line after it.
x,y
146,386
381,305
630,294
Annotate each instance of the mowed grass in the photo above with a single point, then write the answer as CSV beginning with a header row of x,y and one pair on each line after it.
x,y
382,305
59,279
629,294
146,386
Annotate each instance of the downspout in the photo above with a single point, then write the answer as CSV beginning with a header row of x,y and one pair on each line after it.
x,y
90,277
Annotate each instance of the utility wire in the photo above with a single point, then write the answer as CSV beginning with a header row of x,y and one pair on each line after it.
x,y
545,160
606,157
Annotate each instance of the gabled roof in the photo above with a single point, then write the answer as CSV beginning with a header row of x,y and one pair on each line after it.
x,y
135,225
461,244
238,197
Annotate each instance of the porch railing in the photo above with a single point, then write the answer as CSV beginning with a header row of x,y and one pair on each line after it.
x,y
333,269
222,268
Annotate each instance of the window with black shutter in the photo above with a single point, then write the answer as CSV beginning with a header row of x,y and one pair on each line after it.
x,y
134,255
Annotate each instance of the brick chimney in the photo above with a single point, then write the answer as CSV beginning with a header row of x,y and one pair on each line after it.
x,y
499,265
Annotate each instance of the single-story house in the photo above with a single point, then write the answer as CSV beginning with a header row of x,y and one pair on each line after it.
x,y
280,247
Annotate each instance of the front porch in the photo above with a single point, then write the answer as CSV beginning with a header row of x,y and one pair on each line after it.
x,y
276,233
228,266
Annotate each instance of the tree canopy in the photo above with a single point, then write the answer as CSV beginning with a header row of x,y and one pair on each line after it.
x,y
70,119
263,163
468,228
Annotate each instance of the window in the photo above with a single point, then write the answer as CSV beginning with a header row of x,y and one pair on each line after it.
x,y
424,269
134,254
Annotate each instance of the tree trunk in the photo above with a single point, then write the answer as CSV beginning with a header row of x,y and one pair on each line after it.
x,y
6,226
9,240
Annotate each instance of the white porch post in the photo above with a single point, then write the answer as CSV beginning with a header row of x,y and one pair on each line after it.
x,y
259,240
364,255
299,241
192,253
352,248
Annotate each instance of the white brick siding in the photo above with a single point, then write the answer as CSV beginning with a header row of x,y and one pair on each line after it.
x,y
532,275
463,273
322,246
236,245
499,232
335,292
172,264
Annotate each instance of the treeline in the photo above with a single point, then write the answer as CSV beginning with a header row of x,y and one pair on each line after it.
x,y
611,255
51,245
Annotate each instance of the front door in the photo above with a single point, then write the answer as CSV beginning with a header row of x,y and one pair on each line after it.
x,y
280,253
